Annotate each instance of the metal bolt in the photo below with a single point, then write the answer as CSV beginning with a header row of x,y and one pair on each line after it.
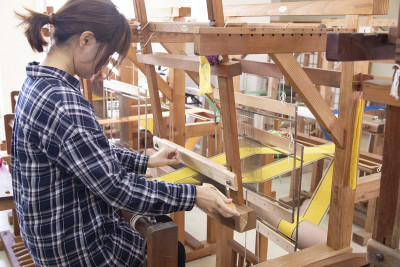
x,y
379,256
228,182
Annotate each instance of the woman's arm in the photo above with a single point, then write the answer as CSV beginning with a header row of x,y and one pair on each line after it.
x,y
130,160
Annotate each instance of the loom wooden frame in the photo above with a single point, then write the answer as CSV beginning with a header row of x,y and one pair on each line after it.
x,y
341,201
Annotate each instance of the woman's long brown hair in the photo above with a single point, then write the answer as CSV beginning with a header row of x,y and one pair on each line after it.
x,y
109,26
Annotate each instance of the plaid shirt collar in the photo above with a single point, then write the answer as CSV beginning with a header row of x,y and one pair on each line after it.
x,y
36,71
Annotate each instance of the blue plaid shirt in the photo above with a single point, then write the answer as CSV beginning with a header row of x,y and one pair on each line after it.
x,y
70,184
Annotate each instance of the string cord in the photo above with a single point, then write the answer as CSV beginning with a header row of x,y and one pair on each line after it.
x,y
361,86
148,40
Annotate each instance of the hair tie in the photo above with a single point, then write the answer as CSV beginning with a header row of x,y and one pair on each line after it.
x,y
51,18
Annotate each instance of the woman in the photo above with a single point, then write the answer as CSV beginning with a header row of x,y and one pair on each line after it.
x,y
69,184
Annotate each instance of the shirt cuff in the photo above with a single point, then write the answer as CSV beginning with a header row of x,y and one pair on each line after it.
x,y
187,197
139,163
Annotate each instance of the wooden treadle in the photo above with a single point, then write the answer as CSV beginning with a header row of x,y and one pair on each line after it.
x,y
17,254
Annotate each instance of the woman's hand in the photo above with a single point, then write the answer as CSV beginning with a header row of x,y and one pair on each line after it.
x,y
165,156
212,201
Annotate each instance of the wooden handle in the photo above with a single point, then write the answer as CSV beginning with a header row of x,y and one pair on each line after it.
x,y
201,164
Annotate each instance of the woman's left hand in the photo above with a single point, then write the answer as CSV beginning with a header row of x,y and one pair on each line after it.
x,y
165,156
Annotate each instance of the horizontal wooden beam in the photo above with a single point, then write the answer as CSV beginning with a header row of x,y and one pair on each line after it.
x,y
367,187
318,76
189,63
165,114
380,255
305,256
262,103
375,22
196,129
268,30
162,85
265,204
295,74
167,37
379,91
353,259
250,257
238,41
126,88
211,44
176,26
308,8
268,138
170,12
275,237
190,27
358,46
373,126
205,166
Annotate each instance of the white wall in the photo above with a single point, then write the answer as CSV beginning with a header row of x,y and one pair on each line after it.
x,y
15,50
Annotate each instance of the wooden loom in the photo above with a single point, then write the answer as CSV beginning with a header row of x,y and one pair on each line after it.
x,y
340,220
246,40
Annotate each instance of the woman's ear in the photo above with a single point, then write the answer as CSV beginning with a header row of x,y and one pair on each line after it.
x,y
87,38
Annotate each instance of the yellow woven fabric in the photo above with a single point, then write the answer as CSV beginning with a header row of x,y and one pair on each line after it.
x,y
318,206
279,167
191,143
316,209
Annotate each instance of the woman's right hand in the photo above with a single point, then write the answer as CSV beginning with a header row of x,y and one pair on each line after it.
x,y
212,201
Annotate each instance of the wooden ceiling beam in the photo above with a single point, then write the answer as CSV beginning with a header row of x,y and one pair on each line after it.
x,y
309,8
238,41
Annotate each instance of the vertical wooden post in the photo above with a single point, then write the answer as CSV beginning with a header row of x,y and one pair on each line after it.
x,y
135,70
126,129
387,230
212,225
387,226
150,72
342,197
231,142
177,127
231,145
17,231
326,91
